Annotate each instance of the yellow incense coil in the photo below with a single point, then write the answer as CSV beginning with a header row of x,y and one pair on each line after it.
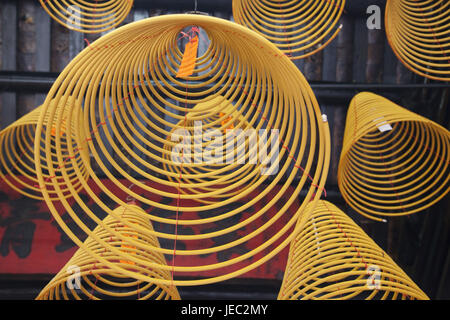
x,y
215,108
419,34
333,258
84,278
128,78
88,16
299,28
17,167
393,161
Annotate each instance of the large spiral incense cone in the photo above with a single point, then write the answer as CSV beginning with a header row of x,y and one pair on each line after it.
x,y
393,162
17,150
84,278
88,16
299,28
419,34
136,85
333,258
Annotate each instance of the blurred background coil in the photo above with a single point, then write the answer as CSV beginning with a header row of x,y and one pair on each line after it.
x,y
299,28
419,34
84,278
17,166
393,162
132,101
333,258
88,16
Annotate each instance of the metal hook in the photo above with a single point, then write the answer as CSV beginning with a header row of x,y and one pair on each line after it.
x,y
129,198
196,10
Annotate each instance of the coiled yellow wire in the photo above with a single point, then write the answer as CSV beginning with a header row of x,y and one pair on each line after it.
x,y
88,16
419,34
299,28
393,161
17,154
97,281
127,78
333,258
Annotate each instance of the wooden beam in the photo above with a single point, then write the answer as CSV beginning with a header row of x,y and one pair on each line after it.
x,y
375,56
8,27
344,53
26,51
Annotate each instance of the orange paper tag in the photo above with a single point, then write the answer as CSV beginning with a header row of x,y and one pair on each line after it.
x,y
127,251
189,57
63,129
224,122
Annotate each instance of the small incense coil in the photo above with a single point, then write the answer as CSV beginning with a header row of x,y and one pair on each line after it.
x,y
17,167
128,78
419,34
393,161
200,121
84,278
88,16
299,28
333,258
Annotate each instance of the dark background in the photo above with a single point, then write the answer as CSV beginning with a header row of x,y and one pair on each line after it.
x,y
34,49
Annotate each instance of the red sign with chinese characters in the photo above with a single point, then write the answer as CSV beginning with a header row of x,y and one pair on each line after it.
x,y
31,242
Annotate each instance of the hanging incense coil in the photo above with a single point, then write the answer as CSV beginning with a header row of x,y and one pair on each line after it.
x,y
419,34
88,16
127,79
333,258
17,167
299,28
85,278
214,109
393,161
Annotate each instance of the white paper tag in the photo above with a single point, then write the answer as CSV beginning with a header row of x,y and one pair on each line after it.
x,y
383,126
